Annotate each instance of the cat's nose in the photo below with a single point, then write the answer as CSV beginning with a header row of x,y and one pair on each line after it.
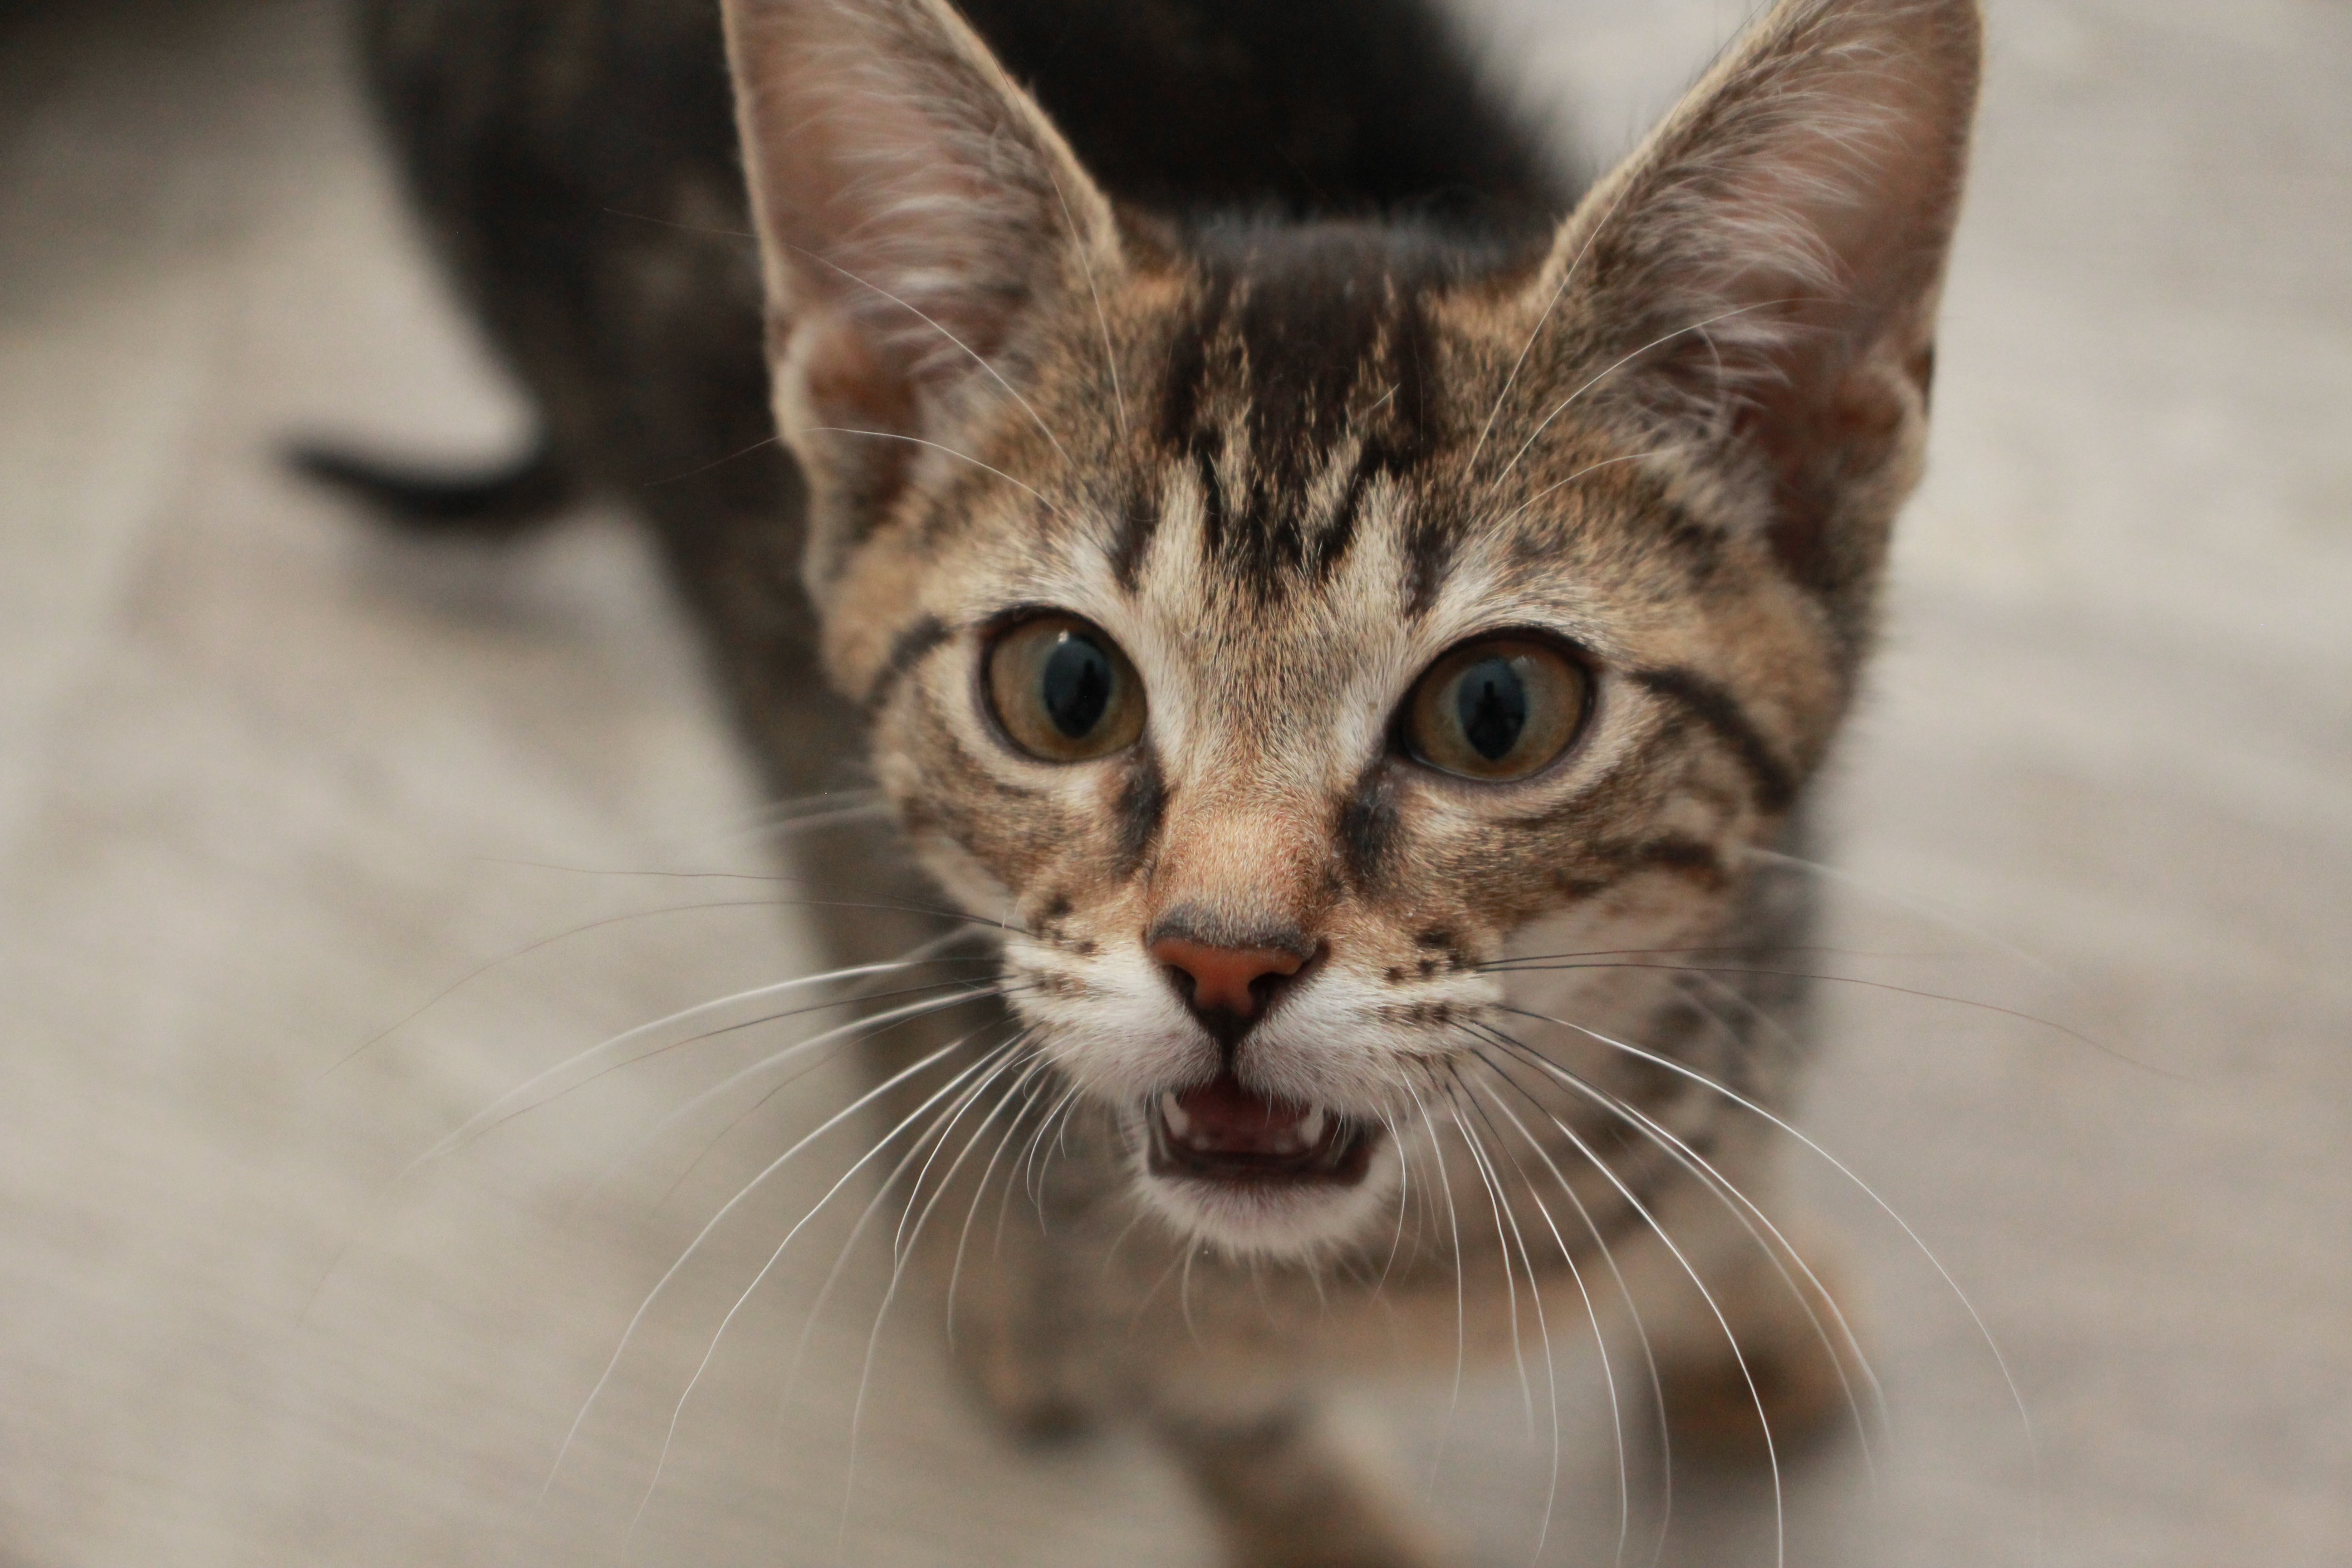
x,y
1231,983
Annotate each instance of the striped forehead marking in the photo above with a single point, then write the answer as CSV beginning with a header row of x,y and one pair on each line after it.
x,y
1303,374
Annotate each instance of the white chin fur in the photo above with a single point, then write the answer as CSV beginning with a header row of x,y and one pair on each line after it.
x,y
1277,1221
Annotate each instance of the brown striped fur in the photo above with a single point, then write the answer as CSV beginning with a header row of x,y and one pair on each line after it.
x,y
1287,456
1285,466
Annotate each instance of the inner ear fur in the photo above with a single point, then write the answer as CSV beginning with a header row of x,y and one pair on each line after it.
x,y
1760,276
912,206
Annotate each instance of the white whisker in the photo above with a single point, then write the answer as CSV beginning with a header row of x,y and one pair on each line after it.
x,y
1460,1306
934,446
932,1140
854,1030
976,356
1562,406
628,1333
506,1105
900,1258
1019,1092
1567,278
1600,1341
2017,1398
1086,263
670,1435
1535,1293
1748,1375
1741,1207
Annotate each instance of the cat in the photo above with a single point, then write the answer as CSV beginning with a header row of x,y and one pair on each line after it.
x,y
1347,623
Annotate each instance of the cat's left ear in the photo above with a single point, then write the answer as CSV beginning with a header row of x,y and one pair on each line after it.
x,y
1760,277
915,209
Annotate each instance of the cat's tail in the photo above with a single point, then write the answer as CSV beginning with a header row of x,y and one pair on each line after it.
x,y
500,503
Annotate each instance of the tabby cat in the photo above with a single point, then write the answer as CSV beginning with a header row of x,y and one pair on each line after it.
x,y
1349,624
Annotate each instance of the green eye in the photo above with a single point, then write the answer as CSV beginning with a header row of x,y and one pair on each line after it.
x,y
1062,691
1497,709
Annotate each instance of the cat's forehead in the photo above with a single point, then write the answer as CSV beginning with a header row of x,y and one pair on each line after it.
x,y
1305,458
1303,476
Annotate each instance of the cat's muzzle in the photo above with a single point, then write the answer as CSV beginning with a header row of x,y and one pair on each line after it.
x,y
1222,1132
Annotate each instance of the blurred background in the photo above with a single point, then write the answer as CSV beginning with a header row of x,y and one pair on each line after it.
x,y
311,843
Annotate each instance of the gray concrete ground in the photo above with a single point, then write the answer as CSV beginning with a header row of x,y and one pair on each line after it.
x,y
269,786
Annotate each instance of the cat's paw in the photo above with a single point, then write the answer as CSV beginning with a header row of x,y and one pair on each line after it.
x,y
1036,1397
1798,1373
1292,1490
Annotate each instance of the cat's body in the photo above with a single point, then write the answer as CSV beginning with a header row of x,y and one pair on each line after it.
x,y
1339,622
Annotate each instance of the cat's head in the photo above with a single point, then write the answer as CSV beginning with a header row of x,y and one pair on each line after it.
x,y
1274,623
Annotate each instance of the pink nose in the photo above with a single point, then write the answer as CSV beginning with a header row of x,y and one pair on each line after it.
x,y
1221,976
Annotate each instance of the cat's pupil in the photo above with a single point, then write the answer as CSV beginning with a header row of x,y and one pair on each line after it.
x,y
1075,685
1492,703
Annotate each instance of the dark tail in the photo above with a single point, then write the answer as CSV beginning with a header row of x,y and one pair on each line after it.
x,y
504,503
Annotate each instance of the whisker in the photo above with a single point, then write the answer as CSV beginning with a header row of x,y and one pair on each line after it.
x,y
882,1022
1632,1309
835,1119
784,813
714,463
1535,1294
529,948
1562,406
1524,967
524,951
2017,1399
898,1267
506,1108
901,1243
1503,1245
930,1138
1736,950
1037,1067
1520,510
1461,1308
1735,1200
1535,334
976,356
1047,1140
897,906
1004,1203
678,1410
1748,1375
470,1130
1905,902
786,818
934,446
1601,1344
682,227
1184,1296
1405,1185
1086,261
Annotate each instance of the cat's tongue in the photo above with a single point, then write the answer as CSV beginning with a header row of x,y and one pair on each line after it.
x,y
1221,1116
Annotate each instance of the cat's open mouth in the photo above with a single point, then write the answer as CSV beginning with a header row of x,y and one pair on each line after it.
x,y
1222,1131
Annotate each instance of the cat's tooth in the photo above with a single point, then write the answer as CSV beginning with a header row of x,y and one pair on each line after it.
x,y
1179,1124
1309,1130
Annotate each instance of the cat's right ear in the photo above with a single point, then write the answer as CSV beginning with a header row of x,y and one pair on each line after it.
x,y
913,206
1762,273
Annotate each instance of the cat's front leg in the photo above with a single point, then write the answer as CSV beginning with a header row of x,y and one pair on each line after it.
x,y
1775,1343
1289,1487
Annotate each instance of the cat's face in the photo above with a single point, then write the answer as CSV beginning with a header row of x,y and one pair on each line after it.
x,y
1274,630
1279,621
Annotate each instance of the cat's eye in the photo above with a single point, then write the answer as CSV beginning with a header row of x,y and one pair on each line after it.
x,y
1062,691
1497,709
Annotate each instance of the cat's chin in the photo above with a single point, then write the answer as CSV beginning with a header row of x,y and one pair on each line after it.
x,y
1259,1177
